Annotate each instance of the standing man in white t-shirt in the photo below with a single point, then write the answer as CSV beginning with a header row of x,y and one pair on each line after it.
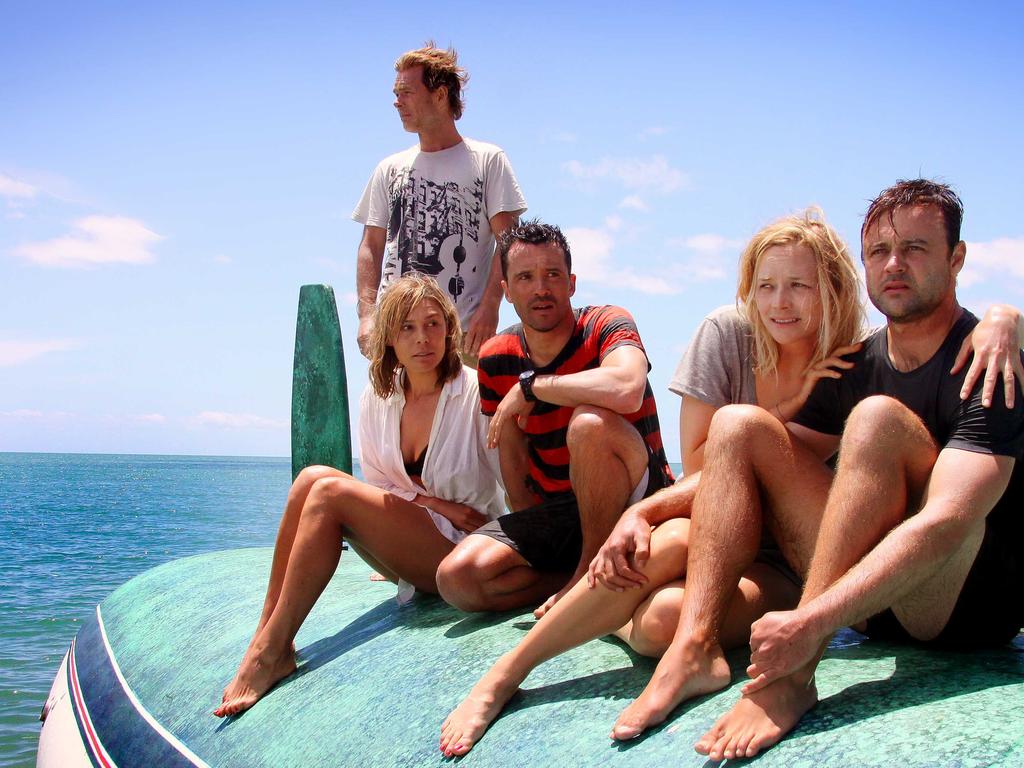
x,y
436,207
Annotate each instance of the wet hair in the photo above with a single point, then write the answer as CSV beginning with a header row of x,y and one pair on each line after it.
x,y
396,302
532,232
918,192
440,68
842,314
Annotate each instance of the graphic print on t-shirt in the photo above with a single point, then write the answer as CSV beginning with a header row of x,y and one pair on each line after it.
x,y
430,225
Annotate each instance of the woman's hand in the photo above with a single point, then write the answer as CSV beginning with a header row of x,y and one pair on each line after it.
x,y
823,369
462,516
996,343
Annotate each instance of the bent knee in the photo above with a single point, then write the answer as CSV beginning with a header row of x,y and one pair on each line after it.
x,y
588,421
459,580
670,542
654,629
594,430
309,475
878,410
741,425
328,490
883,424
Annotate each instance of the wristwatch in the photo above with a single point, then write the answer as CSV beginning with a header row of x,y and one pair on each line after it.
x,y
526,384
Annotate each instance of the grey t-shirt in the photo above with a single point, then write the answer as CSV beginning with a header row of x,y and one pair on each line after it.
x,y
717,368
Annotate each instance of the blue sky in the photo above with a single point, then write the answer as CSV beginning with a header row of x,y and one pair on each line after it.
x,y
171,174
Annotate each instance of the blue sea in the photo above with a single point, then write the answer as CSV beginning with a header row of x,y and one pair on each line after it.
x,y
73,527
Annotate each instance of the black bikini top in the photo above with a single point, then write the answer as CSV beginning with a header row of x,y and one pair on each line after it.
x,y
415,468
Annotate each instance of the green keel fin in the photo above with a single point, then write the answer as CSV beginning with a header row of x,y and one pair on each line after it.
x,y
320,419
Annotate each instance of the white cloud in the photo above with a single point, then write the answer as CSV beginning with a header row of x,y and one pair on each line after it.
x,y
225,420
22,413
149,418
28,414
654,173
95,240
634,203
351,298
652,132
997,259
708,243
19,352
12,188
711,256
221,258
592,260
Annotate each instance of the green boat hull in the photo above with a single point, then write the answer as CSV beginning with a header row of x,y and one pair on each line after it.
x,y
376,680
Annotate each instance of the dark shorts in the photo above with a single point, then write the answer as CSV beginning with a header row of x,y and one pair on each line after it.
x,y
769,554
988,612
548,535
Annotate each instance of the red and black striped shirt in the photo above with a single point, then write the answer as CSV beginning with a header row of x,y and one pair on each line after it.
x,y
598,331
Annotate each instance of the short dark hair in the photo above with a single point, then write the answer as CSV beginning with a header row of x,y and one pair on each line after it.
x,y
440,67
918,192
532,232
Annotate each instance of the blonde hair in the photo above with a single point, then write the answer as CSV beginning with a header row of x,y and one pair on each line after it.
x,y
842,314
395,304
440,68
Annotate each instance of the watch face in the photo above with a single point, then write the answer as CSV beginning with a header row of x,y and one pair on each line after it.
x,y
526,384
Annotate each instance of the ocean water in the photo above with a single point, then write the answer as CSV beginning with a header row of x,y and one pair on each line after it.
x,y
73,527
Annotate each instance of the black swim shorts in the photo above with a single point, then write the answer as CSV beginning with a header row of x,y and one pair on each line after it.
x,y
987,613
548,535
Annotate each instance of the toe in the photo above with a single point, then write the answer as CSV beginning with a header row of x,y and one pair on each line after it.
x,y
762,740
625,732
717,751
707,741
731,750
626,727
742,744
451,742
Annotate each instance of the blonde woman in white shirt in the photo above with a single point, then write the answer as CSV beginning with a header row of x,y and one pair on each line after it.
x,y
430,480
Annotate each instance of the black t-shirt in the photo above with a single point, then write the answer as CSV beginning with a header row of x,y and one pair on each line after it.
x,y
934,395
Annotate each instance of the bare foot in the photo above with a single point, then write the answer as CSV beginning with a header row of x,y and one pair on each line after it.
x,y
256,675
758,720
468,721
686,670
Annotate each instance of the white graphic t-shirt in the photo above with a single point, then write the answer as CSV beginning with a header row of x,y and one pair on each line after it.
x,y
436,208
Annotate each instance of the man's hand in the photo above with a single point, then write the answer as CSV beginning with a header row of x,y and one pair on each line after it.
x,y
363,337
619,562
480,328
995,343
369,259
780,643
513,406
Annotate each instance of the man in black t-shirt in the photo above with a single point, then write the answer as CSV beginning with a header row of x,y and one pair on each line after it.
x,y
913,539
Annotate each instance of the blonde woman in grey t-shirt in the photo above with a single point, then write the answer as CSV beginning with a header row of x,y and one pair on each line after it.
x,y
799,312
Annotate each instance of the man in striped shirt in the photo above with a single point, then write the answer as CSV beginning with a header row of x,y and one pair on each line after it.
x,y
576,427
